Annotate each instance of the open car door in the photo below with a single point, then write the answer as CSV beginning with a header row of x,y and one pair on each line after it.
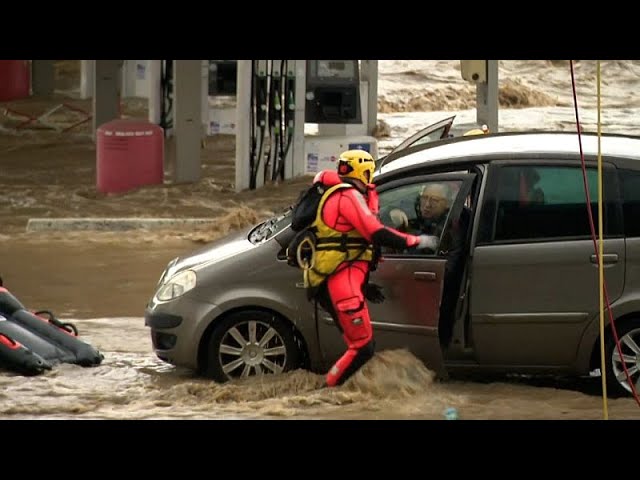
x,y
435,131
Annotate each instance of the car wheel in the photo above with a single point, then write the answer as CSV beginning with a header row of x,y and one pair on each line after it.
x,y
629,336
250,343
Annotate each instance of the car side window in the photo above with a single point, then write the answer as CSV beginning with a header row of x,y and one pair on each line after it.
x,y
631,194
548,202
419,208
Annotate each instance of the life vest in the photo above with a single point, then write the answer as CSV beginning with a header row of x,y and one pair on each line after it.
x,y
323,249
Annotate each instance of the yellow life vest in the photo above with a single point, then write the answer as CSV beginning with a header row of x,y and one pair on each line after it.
x,y
326,248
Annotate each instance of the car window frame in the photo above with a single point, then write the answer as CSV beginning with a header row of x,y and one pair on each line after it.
x,y
622,173
445,124
488,206
413,142
466,188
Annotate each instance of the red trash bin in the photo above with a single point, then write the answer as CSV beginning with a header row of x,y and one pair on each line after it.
x,y
15,79
130,154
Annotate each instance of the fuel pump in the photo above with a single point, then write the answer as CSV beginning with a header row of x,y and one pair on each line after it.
x,y
289,113
276,99
333,92
258,109
222,77
275,119
282,108
272,111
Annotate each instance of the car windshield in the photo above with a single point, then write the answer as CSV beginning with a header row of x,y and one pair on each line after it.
x,y
267,229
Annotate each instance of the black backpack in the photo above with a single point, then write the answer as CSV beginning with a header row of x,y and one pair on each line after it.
x,y
303,215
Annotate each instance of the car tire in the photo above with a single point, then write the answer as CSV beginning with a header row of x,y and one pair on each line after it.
x,y
627,331
233,351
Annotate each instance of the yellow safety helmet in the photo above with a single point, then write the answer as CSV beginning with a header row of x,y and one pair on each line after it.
x,y
358,164
477,131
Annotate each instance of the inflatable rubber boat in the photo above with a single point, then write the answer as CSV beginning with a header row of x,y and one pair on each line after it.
x,y
32,342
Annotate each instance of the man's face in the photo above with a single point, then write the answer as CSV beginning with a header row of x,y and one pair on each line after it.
x,y
433,201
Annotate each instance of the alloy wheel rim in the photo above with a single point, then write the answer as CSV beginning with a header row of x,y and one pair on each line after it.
x,y
630,346
252,348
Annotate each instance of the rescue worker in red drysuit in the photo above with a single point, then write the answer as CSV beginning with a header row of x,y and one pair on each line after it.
x,y
352,213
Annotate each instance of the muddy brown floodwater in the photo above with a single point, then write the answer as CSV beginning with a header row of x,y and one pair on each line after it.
x,y
101,282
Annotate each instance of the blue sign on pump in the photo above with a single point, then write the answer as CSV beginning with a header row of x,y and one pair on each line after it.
x,y
360,146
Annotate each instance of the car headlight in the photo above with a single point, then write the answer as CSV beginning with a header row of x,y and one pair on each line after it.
x,y
176,286
166,271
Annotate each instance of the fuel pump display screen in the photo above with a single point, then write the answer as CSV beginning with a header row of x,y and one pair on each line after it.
x,y
335,69
332,91
222,77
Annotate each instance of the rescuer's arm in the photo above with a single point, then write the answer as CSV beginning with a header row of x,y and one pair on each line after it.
x,y
354,209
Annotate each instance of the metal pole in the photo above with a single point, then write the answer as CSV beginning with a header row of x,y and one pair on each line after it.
x,y
187,120
155,91
299,156
87,68
370,75
106,97
42,77
243,124
487,100
205,98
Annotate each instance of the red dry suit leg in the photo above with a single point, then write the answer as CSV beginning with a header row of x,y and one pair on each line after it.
x,y
345,290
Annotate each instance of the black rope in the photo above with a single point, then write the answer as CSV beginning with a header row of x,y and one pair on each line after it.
x,y
68,327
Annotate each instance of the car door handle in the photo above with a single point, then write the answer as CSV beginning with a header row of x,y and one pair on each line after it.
x,y
606,258
425,276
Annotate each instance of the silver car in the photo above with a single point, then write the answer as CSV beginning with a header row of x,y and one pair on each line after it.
x,y
526,300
